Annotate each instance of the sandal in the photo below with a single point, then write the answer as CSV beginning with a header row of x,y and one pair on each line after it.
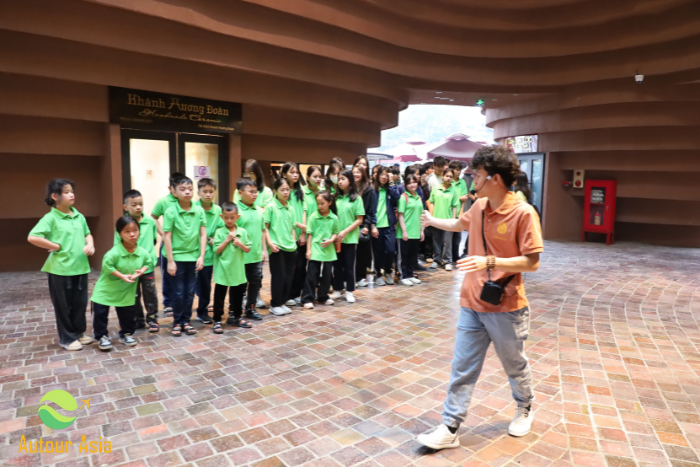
x,y
189,330
153,327
218,328
242,324
177,330
168,311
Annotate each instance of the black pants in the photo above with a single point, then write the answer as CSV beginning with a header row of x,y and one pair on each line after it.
x,y
235,301
363,260
426,246
146,289
318,281
384,250
299,273
69,295
100,315
203,290
165,285
344,268
456,240
253,274
281,275
409,257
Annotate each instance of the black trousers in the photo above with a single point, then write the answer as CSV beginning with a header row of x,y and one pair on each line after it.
x,y
235,301
384,250
426,246
203,290
100,316
409,257
344,268
363,260
281,275
456,240
69,296
253,274
318,281
299,273
147,290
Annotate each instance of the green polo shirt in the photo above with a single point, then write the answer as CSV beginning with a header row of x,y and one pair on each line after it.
x,y
253,222
310,200
322,228
411,210
147,238
69,231
113,291
185,227
347,214
163,204
461,187
279,220
213,220
299,207
382,218
264,198
229,268
444,199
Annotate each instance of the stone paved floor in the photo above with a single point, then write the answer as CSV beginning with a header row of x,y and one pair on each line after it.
x,y
613,345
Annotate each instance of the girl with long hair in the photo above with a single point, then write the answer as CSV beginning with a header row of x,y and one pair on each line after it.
x,y
384,230
253,171
290,172
364,246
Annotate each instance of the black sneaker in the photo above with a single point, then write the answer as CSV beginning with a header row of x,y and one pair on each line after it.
x,y
140,325
250,313
204,319
420,268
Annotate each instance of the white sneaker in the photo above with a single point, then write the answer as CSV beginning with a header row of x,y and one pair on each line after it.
x,y
297,301
260,304
434,265
379,281
278,311
290,303
415,280
363,283
309,306
440,438
336,295
128,340
75,345
522,422
105,343
449,267
390,279
85,340
329,302
349,297
406,282
286,309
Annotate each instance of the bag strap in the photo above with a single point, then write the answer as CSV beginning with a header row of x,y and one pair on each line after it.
x,y
486,251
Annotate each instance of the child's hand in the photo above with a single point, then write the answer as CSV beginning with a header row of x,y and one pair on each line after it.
x,y
405,237
422,236
375,232
364,231
308,254
137,274
237,242
274,248
89,250
265,258
199,265
56,248
326,243
231,236
341,236
128,278
172,268
211,241
302,239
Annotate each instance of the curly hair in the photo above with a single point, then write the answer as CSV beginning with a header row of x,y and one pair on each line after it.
x,y
497,159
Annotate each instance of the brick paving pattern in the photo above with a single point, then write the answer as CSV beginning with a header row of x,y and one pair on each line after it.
x,y
613,346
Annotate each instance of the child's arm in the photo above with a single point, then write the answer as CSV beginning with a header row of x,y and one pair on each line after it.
x,y
237,242
41,242
172,267
159,229
89,249
309,238
430,207
123,277
273,247
220,248
264,245
199,265
402,223
328,242
343,233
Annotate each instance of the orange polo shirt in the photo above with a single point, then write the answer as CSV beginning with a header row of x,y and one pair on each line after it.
x,y
512,230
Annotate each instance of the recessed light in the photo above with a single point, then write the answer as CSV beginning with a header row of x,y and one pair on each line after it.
x,y
438,92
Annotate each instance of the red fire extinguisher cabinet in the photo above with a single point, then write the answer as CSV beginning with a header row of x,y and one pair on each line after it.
x,y
599,209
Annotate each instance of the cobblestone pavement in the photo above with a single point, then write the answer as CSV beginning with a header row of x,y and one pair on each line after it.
x,y
613,347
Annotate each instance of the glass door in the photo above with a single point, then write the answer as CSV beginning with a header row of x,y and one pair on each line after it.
x,y
533,166
204,156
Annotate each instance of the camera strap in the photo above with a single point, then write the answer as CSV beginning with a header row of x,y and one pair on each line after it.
x,y
486,251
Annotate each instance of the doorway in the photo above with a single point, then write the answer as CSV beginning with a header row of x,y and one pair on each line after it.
x,y
533,166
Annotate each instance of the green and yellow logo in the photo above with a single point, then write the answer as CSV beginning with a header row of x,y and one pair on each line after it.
x,y
50,416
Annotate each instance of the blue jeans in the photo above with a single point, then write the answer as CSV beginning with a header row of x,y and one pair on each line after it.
x,y
203,290
182,286
475,331
384,250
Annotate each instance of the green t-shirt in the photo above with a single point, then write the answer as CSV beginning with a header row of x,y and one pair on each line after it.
x,y
310,200
163,204
113,291
264,198
69,231
411,211
147,238
347,214
213,220
322,228
185,226
229,268
252,221
299,207
444,199
280,222
382,219
461,187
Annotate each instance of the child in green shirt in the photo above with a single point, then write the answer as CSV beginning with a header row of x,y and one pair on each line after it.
x,y
321,231
443,204
65,234
253,171
206,188
409,230
185,245
146,288
231,242
290,171
122,266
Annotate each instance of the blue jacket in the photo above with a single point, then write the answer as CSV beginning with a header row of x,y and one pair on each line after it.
x,y
392,202
369,200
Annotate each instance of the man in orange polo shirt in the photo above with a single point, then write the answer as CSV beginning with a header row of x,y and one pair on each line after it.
x,y
513,240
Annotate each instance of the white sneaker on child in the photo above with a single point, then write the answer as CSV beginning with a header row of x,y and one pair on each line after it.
x,y
75,345
415,280
336,295
406,282
85,340
290,303
363,283
278,311
349,297
286,309
440,438
329,302
309,306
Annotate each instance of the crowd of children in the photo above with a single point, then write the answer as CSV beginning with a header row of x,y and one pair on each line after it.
x,y
316,231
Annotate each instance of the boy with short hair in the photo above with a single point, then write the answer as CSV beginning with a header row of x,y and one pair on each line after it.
x,y
185,233
395,173
146,288
434,180
159,209
251,219
206,188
